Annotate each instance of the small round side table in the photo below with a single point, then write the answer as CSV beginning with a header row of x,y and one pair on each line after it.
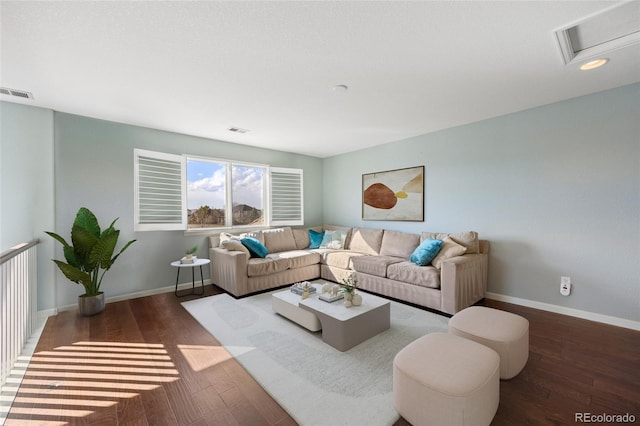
x,y
196,262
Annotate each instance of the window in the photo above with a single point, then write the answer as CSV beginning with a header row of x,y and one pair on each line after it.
x,y
183,192
223,194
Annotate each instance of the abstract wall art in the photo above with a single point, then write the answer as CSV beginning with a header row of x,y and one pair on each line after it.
x,y
394,195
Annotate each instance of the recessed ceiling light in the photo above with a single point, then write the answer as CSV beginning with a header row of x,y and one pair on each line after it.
x,y
593,64
340,88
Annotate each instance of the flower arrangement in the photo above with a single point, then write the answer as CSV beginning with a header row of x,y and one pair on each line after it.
x,y
349,284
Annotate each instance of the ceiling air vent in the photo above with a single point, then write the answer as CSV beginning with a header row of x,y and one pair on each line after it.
x,y
17,93
237,130
601,33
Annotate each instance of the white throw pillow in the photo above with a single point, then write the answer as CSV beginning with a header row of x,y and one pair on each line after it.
x,y
235,245
448,250
334,239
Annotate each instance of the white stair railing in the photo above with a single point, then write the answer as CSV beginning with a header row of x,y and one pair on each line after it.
x,y
19,302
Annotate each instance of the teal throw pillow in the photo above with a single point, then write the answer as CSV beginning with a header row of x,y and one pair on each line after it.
x,y
255,247
315,238
426,252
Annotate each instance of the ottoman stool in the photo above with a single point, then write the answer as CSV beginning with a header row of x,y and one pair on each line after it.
x,y
504,332
442,379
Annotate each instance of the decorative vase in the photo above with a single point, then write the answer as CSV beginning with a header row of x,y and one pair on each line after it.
x,y
356,300
91,305
347,299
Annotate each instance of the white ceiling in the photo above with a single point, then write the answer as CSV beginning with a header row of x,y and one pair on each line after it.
x,y
199,68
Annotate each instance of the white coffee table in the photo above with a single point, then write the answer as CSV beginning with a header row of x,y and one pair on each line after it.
x,y
342,327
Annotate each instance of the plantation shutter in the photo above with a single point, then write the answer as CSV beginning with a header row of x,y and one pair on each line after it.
x,y
160,193
286,196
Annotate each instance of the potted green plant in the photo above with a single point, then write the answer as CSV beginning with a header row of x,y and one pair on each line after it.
x,y
188,255
89,257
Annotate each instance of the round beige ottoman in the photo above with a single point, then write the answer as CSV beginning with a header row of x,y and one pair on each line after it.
x,y
442,379
504,332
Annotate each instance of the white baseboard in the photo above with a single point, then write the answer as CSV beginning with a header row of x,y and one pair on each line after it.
x,y
591,316
151,292
44,314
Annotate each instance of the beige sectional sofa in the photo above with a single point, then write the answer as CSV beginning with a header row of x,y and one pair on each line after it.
x,y
379,257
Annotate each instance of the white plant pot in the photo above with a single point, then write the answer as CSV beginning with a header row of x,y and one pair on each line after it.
x,y
91,305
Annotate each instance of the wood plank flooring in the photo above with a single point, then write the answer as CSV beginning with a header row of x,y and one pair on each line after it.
x,y
146,361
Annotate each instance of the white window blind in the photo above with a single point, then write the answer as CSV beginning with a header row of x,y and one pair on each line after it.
x,y
160,196
286,196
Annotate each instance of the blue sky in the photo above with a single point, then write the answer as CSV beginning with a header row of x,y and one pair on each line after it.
x,y
206,185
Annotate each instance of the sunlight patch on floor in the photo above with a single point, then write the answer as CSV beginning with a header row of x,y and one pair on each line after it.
x,y
74,381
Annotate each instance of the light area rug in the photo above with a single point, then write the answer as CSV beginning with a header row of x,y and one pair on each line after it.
x,y
315,383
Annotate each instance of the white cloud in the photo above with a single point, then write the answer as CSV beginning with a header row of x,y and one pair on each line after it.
x,y
212,183
208,191
247,179
247,186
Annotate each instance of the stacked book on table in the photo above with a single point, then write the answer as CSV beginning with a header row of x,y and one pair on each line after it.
x,y
328,297
298,288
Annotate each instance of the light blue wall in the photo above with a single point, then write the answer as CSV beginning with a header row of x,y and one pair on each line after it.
x,y
94,168
555,189
26,186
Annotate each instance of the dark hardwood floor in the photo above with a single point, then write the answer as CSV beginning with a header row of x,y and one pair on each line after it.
x,y
146,361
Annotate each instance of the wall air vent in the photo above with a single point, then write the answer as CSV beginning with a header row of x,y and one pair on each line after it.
x,y
595,36
17,93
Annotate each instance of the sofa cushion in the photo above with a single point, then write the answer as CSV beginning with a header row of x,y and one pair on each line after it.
x,y
255,247
254,234
297,258
398,244
374,265
315,238
334,239
225,236
426,252
279,239
467,239
366,240
346,229
408,272
301,236
235,245
448,250
257,267
337,258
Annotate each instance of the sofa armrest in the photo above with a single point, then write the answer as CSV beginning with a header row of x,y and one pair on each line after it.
x,y
463,281
229,270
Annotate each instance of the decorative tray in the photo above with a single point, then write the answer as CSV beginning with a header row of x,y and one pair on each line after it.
x,y
328,298
298,288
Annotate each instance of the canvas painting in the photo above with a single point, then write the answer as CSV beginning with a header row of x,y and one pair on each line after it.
x,y
394,195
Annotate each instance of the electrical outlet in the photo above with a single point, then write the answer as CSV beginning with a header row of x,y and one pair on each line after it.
x,y
565,286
